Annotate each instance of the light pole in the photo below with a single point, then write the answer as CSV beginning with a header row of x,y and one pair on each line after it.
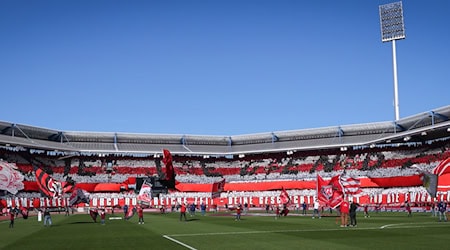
x,y
393,28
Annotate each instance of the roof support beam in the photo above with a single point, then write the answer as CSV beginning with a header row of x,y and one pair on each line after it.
x,y
274,138
434,114
340,133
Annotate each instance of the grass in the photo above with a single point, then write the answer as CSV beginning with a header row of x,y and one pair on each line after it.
x,y
381,231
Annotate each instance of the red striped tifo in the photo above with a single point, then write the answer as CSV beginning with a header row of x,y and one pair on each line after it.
x,y
350,185
442,168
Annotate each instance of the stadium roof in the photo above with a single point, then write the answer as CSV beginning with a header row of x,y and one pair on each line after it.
x,y
420,128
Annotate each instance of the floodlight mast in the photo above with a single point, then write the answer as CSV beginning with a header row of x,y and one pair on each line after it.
x,y
393,28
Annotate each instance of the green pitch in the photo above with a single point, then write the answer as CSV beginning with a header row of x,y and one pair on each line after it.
x,y
165,231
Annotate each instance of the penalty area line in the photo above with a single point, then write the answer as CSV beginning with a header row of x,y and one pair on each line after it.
x,y
179,242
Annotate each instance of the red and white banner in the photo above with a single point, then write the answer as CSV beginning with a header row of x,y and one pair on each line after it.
x,y
252,201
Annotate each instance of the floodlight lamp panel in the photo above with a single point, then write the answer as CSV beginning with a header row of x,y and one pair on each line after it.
x,y
391,21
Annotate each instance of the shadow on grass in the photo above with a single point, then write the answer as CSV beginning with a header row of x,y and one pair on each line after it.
x,y
188,220
82,222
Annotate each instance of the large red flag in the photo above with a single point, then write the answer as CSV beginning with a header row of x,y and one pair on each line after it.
x,y
324,190
284,196
169,166
169,180
145,194
47,185
329,192
217,188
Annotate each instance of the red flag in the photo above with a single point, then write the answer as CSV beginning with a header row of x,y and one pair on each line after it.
x,y
169,167
130,213
442,168
169,180
329,192
324,190
78,196
67,188
46,184
284,196
24,213
94,213
217,188
145,194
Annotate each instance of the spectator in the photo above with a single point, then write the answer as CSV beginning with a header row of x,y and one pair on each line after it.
x,y
366,211
141,215
125,210
192,209
47,218
238,212
203,208
11,217
353,207
316,209
102,216
183,211
433,209
442,207
408,208
344,213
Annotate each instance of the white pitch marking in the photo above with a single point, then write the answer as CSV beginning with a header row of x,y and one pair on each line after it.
x,y
275,231
179,242
411,225
405,225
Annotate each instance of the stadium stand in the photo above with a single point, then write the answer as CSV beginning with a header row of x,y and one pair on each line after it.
x,y
386,157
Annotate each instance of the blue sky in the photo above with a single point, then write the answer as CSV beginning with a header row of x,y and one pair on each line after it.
x,y
216,67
